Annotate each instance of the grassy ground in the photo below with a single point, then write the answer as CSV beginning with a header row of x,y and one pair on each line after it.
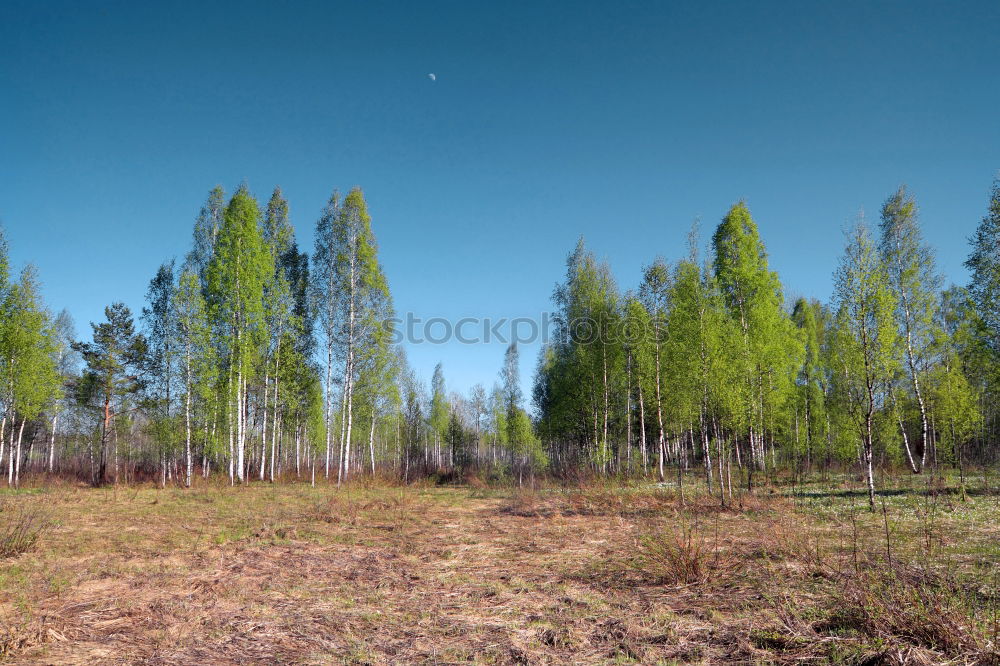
x,y
293,574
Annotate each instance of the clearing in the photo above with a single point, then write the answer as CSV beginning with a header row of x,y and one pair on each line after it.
x,y
383,574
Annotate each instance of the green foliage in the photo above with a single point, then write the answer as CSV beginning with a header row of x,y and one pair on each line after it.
x,y
206,232
702,360
866,339
29,349
240,267
199,362
771,351
439,409
115,360
584,364
810,318
161,336
984,266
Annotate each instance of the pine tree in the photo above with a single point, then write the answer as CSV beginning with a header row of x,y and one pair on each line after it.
x,y
114,361
984,291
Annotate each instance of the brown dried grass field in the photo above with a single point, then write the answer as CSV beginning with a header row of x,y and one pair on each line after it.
x,y
380,574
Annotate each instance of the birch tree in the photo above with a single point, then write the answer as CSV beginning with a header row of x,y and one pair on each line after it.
x,y
7,322
437,417
325,290
354,300
909,263
158,320
696,361
866,339
194,340
279,237
29,345
206,233
240,266
807,315
654,292
984,265
65,360
753,296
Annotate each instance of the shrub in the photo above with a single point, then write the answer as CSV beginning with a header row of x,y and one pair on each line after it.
x,y
679,558
20,529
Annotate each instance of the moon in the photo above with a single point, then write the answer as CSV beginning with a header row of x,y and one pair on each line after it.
x,y
432,76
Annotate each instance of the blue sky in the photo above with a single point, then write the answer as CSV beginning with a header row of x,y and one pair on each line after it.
x,y
620,122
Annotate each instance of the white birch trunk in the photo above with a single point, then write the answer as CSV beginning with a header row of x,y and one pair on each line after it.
x,y
187,419
263,431
52,443
371,441
17,456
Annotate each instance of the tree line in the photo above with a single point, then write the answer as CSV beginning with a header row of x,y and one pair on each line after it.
x,y
705,365
251,358
257,360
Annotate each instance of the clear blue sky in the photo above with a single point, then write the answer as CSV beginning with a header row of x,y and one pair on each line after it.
x,y
621,122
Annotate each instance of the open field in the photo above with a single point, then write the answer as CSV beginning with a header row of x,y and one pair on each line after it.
x,y
383,574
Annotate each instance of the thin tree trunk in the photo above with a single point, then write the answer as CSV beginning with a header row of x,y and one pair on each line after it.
x,y
705,448
275,439
263,431
868,455
604,431
343,428
659,408
329,403
240,423
912,365
231,427
902,431
3,447
187,419
17,455
642,429
628,416
52,443
371,441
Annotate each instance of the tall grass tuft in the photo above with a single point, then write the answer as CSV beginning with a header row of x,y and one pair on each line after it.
x,y
678,558
20,529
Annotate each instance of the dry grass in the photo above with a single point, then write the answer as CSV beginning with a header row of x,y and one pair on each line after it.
x,y
925,609
380,574
20,529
